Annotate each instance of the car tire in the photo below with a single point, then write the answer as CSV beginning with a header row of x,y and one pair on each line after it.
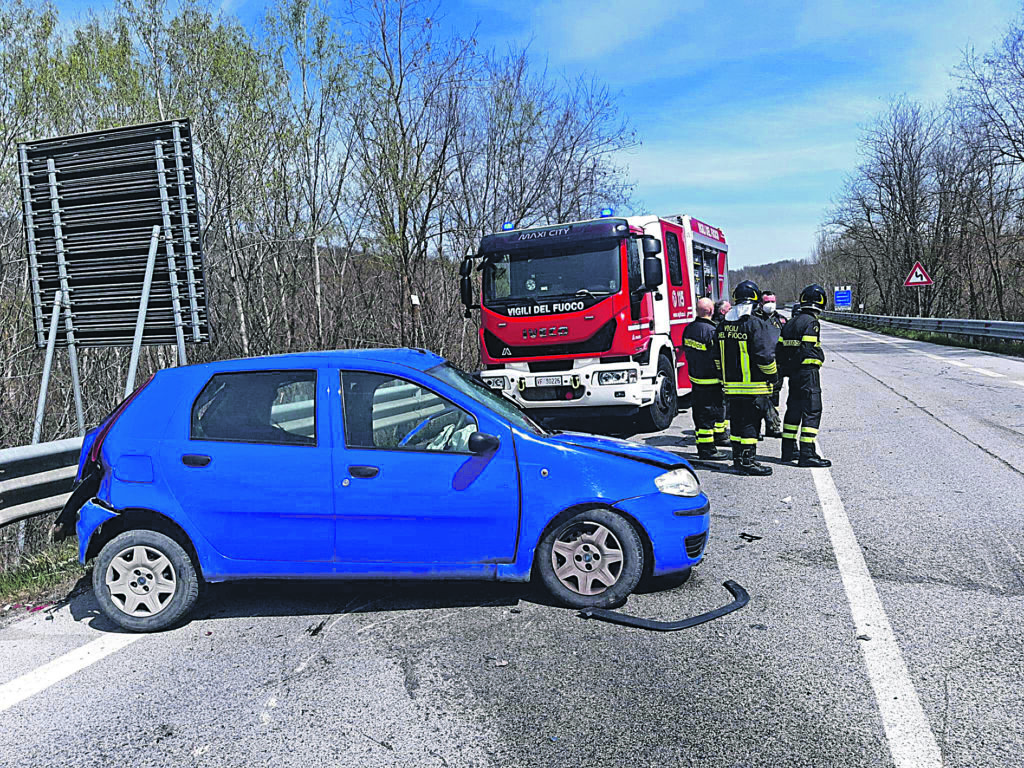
x,y
659,414
144,581
574,555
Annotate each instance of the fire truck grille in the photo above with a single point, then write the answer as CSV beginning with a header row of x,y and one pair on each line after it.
x,y
537,394
599,342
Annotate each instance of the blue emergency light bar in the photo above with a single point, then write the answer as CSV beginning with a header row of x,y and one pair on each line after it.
x,y
507,226
606,212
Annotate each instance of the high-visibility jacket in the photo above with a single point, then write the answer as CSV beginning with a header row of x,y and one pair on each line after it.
x,y
746,353
800,343
700,351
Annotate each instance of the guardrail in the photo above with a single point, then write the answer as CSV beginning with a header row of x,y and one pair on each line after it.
x,y
988,329
36,479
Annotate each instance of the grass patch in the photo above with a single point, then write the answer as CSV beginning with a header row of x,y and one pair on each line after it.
x,y
41,574
1012,348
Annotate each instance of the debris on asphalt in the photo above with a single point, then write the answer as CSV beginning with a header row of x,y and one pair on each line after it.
x,y
788,500
748,537
315,629
515,610
863,637
502,663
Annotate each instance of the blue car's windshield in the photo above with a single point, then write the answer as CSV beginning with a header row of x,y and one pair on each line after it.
x,y
469,385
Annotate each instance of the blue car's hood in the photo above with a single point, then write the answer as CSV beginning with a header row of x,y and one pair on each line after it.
x,y
617,447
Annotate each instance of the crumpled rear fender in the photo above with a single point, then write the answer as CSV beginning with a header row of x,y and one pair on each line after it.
x,y
91,516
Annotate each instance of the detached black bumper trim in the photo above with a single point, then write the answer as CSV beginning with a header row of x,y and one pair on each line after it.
x,y
741,598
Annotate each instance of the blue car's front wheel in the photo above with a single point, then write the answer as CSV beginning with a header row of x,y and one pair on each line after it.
x,y
593,559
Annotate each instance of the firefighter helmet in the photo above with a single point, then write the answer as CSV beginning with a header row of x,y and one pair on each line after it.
x,y
746,291
813,296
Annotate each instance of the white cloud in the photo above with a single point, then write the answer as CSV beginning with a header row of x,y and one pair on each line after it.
x,y
582,30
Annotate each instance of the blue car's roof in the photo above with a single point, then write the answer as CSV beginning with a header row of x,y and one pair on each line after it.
x,y
418,359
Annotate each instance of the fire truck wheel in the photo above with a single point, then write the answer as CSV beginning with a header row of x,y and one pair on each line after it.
x,y
659,414
593,559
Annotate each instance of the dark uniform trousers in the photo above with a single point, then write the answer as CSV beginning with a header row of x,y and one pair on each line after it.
x,y
745,419
708,412
803,407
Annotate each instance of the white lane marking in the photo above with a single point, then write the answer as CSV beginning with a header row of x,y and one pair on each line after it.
x,y
1019,383
957,363
911,741
62,667
993,374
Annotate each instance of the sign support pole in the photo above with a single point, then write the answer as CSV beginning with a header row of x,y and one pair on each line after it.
x,y
140,323
62,271
44,386
186,229
169,245
30,232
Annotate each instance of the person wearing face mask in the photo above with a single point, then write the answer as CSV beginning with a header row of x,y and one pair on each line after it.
x,y
769,404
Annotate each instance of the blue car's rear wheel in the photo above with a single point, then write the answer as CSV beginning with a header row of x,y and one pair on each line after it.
x,y
593,559
144,580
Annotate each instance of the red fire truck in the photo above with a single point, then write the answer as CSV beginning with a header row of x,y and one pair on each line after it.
x,y
588,317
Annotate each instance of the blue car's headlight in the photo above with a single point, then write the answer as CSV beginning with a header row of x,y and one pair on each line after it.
x,y
678,482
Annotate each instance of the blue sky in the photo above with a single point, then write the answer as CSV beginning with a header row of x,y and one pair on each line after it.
x,y
748,112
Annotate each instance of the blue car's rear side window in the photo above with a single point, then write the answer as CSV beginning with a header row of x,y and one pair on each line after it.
x,y
388,412
276,407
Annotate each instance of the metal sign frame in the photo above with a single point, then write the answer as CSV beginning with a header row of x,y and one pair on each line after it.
x,y
90,202
95,208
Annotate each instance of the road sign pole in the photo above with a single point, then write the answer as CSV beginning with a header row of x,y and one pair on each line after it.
x,y
44,385
186,230
165,208
140,323
62,271
30,233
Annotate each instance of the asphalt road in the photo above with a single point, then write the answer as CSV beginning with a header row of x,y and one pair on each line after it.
x,y
928,450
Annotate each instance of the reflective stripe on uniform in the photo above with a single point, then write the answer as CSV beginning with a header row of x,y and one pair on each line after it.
x,y
811,361
744,440
809,339
744,362
695,380
791,342
720,426
789,431
808,430
695,344
806,439
753,388
769,369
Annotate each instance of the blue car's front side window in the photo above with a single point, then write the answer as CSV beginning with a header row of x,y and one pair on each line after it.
x,y
390,413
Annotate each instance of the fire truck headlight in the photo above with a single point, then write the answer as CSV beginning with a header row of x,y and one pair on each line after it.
x,y
617,377
497,382
678,482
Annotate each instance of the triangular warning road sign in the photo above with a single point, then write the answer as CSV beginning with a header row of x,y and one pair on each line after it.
x,y
917,277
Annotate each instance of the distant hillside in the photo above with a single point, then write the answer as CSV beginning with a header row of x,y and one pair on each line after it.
x,y
784,278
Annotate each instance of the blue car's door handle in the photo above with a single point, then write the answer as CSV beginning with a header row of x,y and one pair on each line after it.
x,y
357,470
195,460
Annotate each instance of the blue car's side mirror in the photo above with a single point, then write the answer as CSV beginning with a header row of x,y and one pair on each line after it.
x,y
482,443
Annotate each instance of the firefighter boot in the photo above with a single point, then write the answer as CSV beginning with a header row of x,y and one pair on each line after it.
x,y
789,452
709,451
810,458
747,465
722,437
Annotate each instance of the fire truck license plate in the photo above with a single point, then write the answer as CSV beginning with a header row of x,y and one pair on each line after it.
x,y
549,381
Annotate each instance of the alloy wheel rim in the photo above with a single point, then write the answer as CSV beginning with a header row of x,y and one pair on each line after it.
x,y
587,558
141,581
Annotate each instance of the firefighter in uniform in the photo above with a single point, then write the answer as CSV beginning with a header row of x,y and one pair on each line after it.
x,y
746,363
706,402
770,403
801,355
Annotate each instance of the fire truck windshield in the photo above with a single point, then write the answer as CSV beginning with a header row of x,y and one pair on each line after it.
x,y
591,268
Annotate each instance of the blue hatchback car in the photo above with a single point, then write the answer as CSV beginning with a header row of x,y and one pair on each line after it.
x,y
364,464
